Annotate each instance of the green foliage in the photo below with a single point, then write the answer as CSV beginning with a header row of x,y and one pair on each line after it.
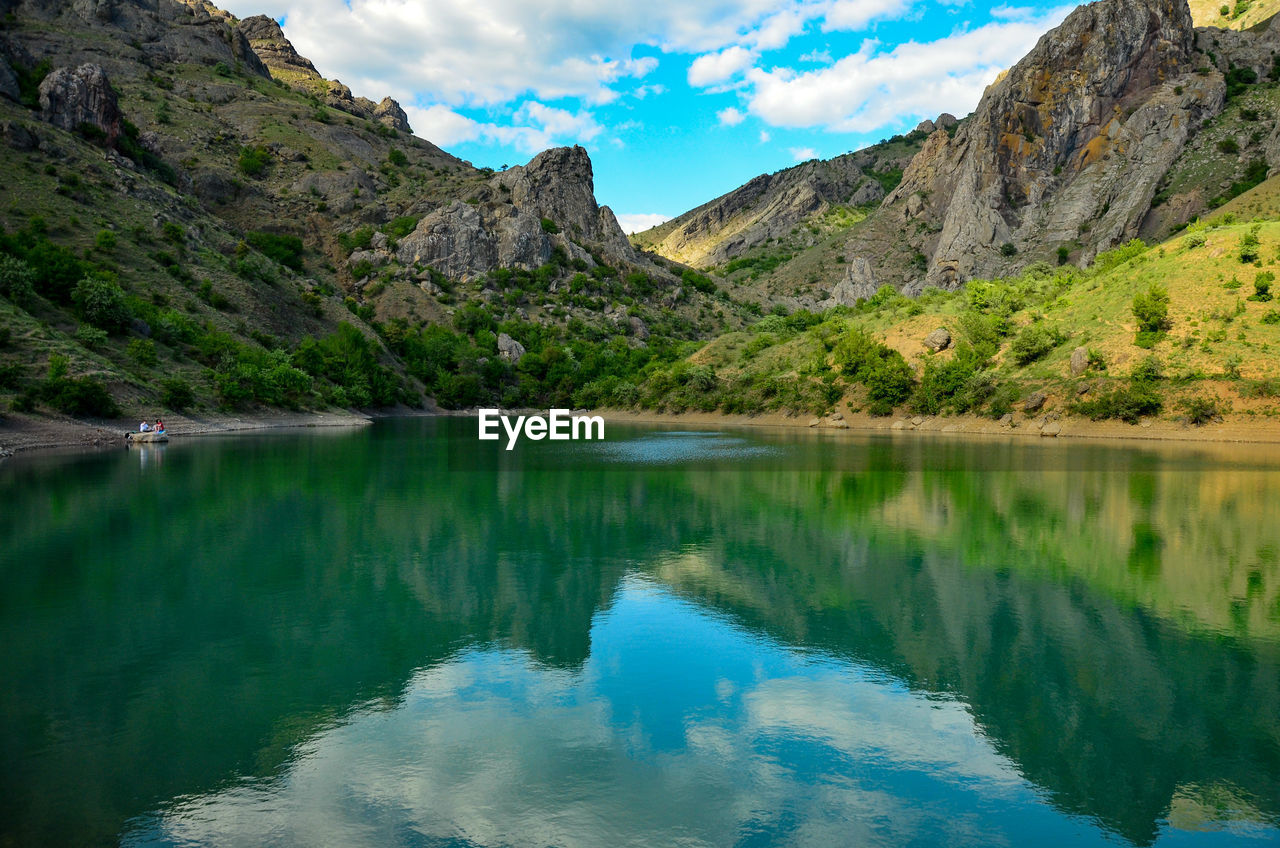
x,y
398,228
143,352
253,161
357,239
1126,403
1114,258
1254,174
56,269
881,369
17,280
958,385
29,80
1249,245
75,396
697,281
1008,249
1262,286
1148,370
396,157
1151,309
1064,254
90,336
173,233
757,265
888,180
1034,343
349,360
1271,316
105,241
246,375
284,249
176,394
100,301
1239,79
1229,146
549,226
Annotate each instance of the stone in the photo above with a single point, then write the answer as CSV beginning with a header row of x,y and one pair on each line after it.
x,y
1006,420
1052,428
18,136
814,422
938,340
900,424
926,126
379,241
858,283
9,82
1079,361
389,114
1034,403
946,121
510,349
1083,389
638,328
917,421
452,240
70,98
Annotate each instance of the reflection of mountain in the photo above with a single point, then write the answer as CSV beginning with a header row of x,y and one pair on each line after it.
x,y
171,629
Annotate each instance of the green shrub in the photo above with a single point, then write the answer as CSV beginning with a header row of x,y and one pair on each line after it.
x,y
90,336
1151,309
253,161
176,394
1262,286
1228,146
357,239
1271,316
1008,249
17,280
549,226
1200,410
101,302
1064,254
284,249
143,352
881,369
1249,245
77,396
398,228
1148,370
396,157
1127,403
1034,343
105,241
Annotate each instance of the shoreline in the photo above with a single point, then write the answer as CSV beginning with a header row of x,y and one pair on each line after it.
x,y
20,433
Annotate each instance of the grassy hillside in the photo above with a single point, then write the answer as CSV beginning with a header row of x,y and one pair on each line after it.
x,y
1212,352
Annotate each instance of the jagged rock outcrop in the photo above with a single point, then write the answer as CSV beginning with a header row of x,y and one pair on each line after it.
x,y
268,42
71,98
276,52
389,114
505,227
510,349
1068,147
858,283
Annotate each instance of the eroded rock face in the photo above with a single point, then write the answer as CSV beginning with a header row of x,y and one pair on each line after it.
x,y
275,51
858,282
389,114
510,349
69,98
1068,146
8,82
453,240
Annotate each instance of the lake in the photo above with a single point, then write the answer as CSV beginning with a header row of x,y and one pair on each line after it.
x,y
400,636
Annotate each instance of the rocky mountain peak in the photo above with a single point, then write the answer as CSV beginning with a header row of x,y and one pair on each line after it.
x,y
1066,148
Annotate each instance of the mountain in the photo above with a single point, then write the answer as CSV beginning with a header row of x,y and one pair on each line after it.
x,y
191,204
1112,127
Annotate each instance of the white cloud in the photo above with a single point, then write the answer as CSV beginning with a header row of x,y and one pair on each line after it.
x,y
853,15
803,154
730,117
869,89
818,57
717,67
536,127
639,222
764,137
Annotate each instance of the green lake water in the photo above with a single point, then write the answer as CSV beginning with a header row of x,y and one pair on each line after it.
x,y
399,636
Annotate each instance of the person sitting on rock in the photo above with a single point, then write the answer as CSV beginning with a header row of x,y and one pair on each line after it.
x,y
144,427
159,426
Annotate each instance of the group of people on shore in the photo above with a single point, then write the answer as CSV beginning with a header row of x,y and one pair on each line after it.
x,y
144,427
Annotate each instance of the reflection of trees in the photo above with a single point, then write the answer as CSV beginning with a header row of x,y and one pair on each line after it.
x,y
174,628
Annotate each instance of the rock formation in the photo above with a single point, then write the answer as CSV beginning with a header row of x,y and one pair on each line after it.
x,y
72,98
1067,147
519,219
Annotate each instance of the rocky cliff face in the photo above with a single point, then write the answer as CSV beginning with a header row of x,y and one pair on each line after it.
x,y
770,205
1066,150
505,227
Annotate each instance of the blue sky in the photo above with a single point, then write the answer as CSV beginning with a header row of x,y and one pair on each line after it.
x,y
677,101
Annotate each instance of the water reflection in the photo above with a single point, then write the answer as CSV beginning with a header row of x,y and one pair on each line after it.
x,y
910,653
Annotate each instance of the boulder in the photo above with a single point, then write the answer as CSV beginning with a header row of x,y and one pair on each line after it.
x,y
452,240
1034,403
1079,362
510,349
70,98
946,121
938,340
638,328
1052,428
18,136
926,126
